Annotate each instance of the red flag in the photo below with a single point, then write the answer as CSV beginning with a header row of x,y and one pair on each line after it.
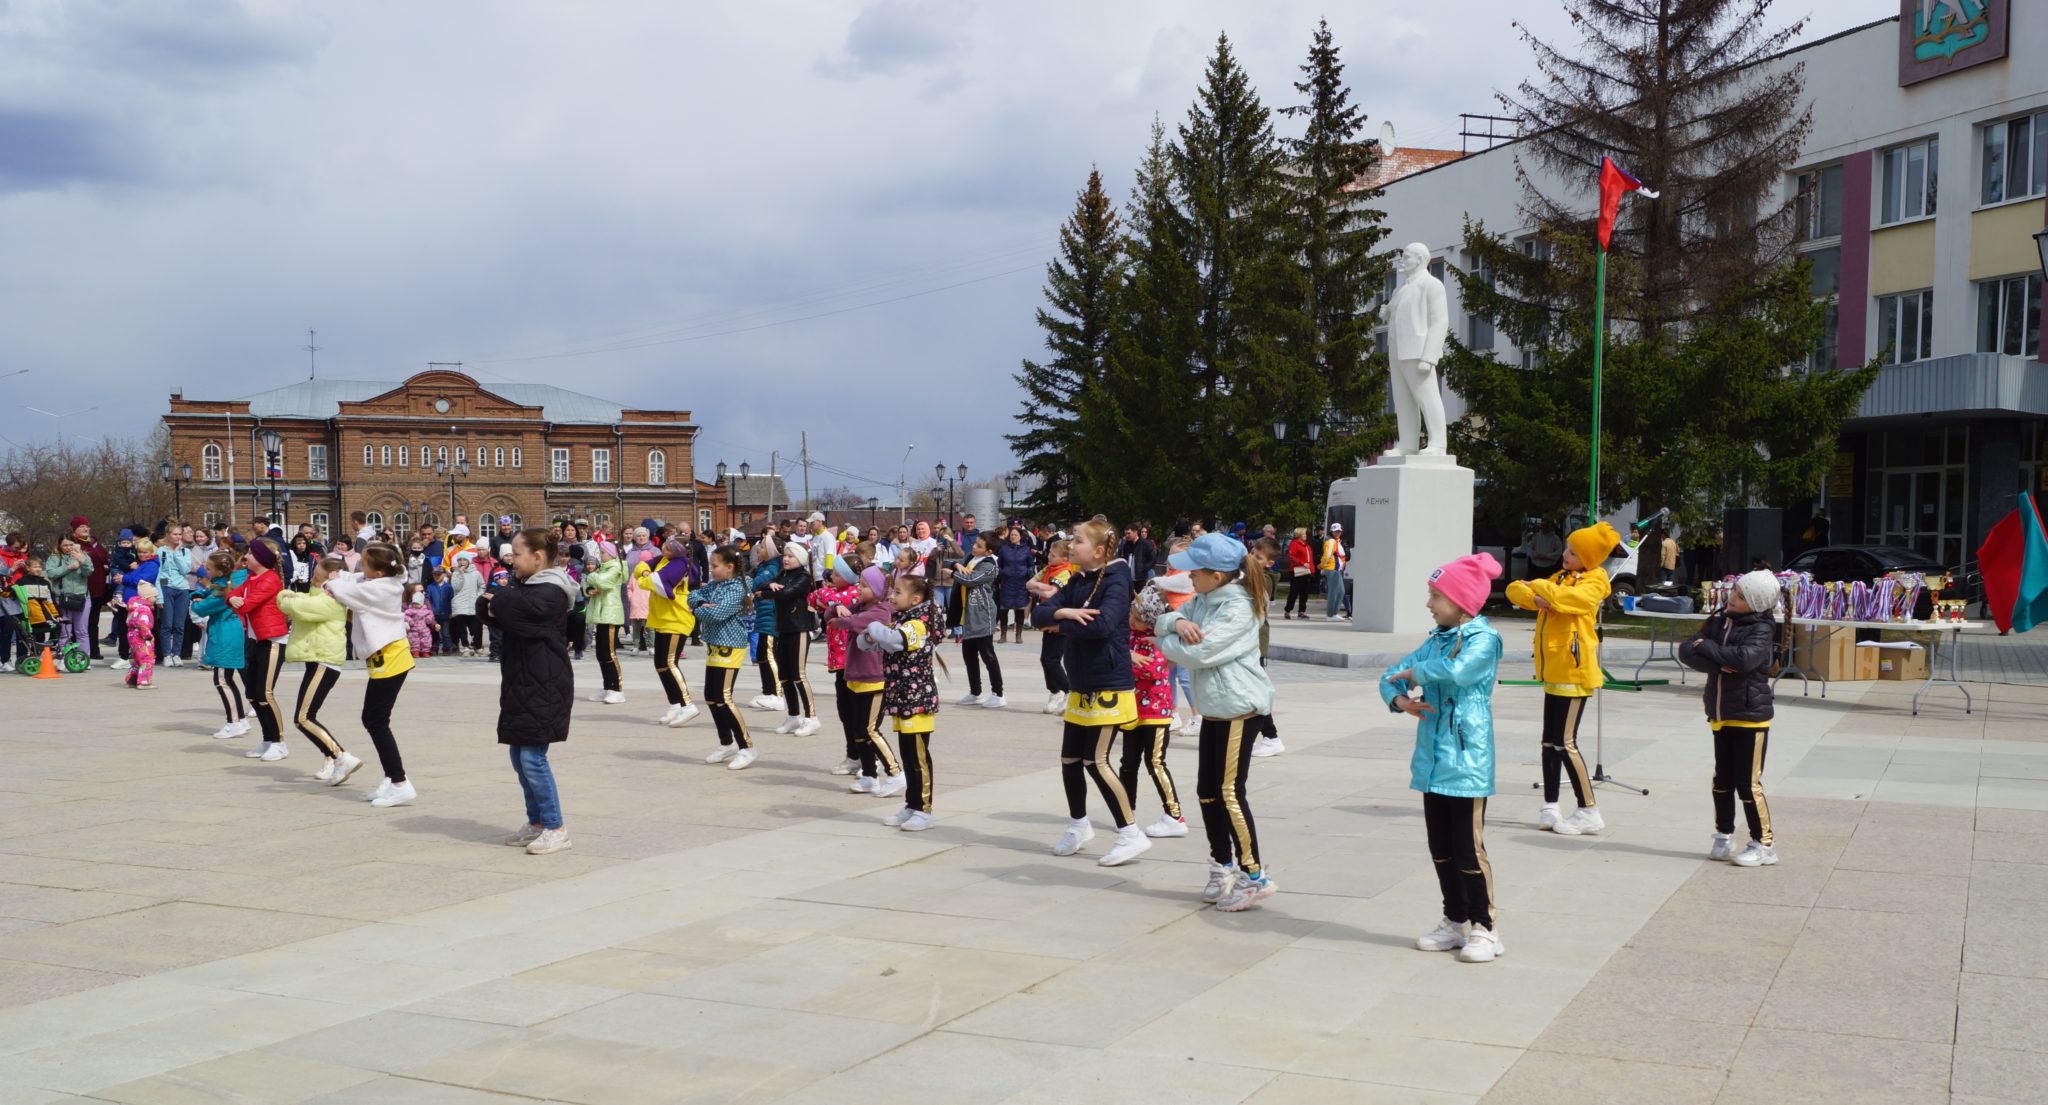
x,y
1615,182
2000,559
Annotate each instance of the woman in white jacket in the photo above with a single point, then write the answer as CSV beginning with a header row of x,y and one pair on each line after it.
x,y
468,583
375,599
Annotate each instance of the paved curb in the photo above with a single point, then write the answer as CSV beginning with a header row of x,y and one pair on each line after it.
x,y
1330,658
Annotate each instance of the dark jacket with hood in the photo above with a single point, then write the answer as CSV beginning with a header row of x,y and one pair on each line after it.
x,y
536,685
1098,655
793,613
1742,642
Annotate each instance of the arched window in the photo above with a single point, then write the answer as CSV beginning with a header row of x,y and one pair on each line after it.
x,y
319,520
401,524
209,462
517,525
375,519
498,457
404,456
369,455
487,526
657,466
461,454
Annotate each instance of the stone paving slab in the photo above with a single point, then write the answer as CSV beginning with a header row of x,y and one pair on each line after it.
x,y
757,936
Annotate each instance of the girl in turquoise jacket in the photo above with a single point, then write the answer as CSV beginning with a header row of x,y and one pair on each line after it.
x,y
224,640
1447,687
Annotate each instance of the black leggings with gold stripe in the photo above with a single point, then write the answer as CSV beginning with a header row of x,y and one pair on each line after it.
x,y
1457,845
1084,751
1561,748
1223,761
260,661
860,719
1739,773
720,685
1146,744
668,666
792,652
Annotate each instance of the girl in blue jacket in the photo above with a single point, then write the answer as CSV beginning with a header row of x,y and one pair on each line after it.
x,y
1447,687
767,565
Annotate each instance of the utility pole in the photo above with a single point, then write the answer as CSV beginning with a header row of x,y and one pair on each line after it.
x,y
807,469
312,368
771,488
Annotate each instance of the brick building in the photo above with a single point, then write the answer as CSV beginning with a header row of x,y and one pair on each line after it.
x,y
534,452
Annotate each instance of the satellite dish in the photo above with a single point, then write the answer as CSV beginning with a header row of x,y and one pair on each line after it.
x,y
1386,138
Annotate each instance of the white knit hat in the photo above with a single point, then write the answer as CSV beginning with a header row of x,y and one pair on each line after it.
x,y
1760,590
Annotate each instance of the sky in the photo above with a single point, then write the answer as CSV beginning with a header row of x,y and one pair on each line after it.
x,y
782,217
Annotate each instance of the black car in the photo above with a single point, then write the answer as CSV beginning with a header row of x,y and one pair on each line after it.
x,y
1850,563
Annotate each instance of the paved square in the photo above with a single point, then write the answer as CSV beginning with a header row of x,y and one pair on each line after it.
x,y
181,924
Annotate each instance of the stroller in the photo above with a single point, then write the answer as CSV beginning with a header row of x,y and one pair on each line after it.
x,y
15,607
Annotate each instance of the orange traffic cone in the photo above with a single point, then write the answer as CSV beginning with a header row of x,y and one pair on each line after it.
x,y
48,670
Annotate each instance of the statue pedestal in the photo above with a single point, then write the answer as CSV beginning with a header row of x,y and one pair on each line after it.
x,y
1414,514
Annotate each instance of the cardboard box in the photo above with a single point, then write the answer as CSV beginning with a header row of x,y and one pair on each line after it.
x,y
1907,664
1825,652
1868,666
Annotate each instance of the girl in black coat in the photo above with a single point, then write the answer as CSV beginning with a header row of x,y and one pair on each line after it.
x,y
536,683
794,621
1734,649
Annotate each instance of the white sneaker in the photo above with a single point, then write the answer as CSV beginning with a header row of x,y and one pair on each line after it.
x,y
744,760
847,767
598,697
230,730
523,837
668,716
889,786
722,753
118,665
382,788
1481,946
1131,842
345,765
865,784
683,716
917,822
549,840
1246,892
258,752
1447,936
1757,855
613,698
896,820
969,700
1268,746
789,726
1221,879
326,773
1584,820
275,751
1167,825
1056,703
1548,817
771,702
809,727
400,794
1077,834
1723,848
994,702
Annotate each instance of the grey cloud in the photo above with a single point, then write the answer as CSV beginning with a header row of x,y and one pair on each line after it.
x,y
893,36
194,45
43,150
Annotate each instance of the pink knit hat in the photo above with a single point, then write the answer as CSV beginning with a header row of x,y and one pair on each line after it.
x,y
1467,580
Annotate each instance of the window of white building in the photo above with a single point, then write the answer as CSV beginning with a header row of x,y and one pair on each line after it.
x,y
2009,315
1909,181
2015,158
1905,323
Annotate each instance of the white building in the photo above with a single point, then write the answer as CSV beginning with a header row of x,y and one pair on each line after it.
x,y
1941,267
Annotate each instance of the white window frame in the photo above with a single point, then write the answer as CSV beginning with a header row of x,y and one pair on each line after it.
x,y
374,519
405,456
2002,178
461,454
318,519
1905,326
383,456
1811,210
657,467
517,454
600,466
558,464
441,454
703,519
498,457
1897,200
602,521
1995,299
369,456
316,462
401,525
209,462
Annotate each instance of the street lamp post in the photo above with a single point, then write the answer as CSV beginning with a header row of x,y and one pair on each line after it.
x,y
873,503
1010,483
1310,430
939,472
184,476
273,460
443,468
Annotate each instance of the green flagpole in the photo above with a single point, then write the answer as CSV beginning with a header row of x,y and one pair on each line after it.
x,y
1599,340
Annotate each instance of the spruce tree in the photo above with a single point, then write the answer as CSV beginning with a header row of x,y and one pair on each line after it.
x,y
1142,406
1080,286
1338,233
1706,400
1254,340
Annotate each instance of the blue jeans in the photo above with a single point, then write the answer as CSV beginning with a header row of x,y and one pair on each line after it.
x,y
1333,592
537,780
171,628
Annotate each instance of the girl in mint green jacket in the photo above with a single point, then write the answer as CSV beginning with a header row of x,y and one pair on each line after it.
x,y
319,640
604,611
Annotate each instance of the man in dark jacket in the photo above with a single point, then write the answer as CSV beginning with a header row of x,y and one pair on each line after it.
x,y
1734,648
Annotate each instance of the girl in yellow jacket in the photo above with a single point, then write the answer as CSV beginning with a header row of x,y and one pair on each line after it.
x,y
667,583
1567,607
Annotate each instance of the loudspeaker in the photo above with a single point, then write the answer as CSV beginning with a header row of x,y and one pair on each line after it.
x,y
1749,533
